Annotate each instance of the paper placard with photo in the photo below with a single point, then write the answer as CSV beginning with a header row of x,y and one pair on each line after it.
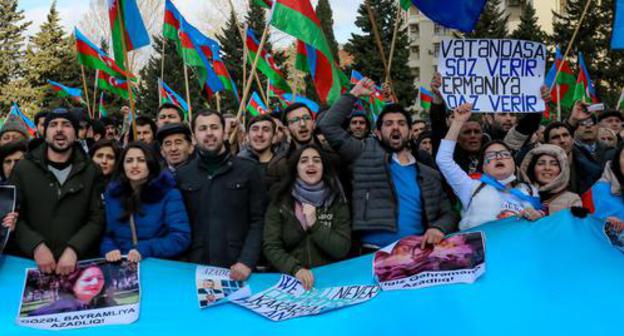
x,y
97,293
214,286
615,237
289,299
404,265
7,204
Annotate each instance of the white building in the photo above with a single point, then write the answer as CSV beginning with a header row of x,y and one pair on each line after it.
x,y
425,36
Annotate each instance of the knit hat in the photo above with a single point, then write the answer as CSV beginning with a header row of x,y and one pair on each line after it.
x,y
14,124
63,114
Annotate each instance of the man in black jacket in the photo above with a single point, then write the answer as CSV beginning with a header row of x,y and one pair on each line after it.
x,y
225,199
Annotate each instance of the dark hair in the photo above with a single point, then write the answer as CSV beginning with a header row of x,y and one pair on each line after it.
x,y
40,115
393,108
105,143
531,167
11,148
615,165
144,120
263,117
164,106
283,189
207,113
294,107
486,146
130,199
555,125
98,127
67,283
610,113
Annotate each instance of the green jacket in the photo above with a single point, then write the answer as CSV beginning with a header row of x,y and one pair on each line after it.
x,y
59,216
289,248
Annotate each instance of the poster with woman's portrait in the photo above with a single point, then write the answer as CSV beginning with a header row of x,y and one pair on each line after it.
x,y
97,293
405,265
214,286
7,204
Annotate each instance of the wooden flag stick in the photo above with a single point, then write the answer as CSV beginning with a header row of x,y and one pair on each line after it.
x,y
261,90
128,71
188,93
218,98
397,22
95,87
565,55
86,90
382,55
162,66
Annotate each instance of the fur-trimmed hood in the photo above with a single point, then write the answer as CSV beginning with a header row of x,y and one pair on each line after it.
x,y
609,177
560,183
152,192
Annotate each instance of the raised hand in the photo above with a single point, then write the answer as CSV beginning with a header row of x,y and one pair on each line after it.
x,y
363,88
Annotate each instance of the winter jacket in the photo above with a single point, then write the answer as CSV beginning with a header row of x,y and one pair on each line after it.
x,y
61,216
374,201
270,179
289,248
226,210
481,203
162,226
558,197
605,198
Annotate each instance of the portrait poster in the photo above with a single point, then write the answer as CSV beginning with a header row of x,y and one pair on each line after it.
x,y
404,265
616,237
7,204
214,286
97,293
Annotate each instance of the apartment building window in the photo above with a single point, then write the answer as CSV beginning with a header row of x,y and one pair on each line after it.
x,y
416,73
436,49
437,29
513,3
413,11
414,31
435,69
415,51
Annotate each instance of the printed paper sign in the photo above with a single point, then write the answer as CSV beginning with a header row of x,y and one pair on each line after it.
x,y
215,286
404,265
493,75
616,237
288,299
97,293
7,204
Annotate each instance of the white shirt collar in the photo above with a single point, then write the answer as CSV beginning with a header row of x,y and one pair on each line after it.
x,y
412,159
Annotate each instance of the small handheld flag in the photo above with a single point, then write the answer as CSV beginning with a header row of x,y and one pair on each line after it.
x,y
67,92
256,107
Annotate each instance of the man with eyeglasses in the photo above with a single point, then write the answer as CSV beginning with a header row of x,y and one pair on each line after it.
x,y
169,114
586,134
393,195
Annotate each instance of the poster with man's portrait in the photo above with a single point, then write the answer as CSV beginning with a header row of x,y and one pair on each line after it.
x,y
214,286
96,293
7,204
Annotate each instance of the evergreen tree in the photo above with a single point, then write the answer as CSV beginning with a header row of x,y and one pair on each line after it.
x,y
232,48
366,55
529,29
492,22
147,100
609,67
50,56
12,28
326,16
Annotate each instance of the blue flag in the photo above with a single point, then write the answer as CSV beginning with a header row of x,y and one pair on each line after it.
x,y
457,14
617,37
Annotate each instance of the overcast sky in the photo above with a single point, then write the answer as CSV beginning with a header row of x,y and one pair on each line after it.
x,y
71,12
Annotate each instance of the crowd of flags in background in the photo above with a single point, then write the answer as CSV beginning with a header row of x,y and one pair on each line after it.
x,y
296,18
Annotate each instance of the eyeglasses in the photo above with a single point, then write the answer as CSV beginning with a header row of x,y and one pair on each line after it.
x,y
297,120
504,154
587,122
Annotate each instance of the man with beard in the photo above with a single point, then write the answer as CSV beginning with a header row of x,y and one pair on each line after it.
x,y
260,135
225,199
359,125
169,114
61,215
496,125
393,195
176,145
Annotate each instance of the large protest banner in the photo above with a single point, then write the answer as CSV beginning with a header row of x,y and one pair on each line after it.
x,y
494,75
405,265
288,299
7,204
97,293
214,286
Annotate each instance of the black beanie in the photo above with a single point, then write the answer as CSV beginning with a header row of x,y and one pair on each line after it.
x,y
64,114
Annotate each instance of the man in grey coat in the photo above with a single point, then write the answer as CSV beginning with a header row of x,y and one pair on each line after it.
x,y
393,195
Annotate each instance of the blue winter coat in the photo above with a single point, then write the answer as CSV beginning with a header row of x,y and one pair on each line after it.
x,y
162,225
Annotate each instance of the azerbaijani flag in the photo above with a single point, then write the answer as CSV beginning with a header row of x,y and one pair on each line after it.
x,y
167,95
298,19
30,125
356,77
457,14
93,57
375,100
101,108
301,99
426,98
256,107
128,30
113,85
565,80
67,92
264,3
223,73
584,89
266,63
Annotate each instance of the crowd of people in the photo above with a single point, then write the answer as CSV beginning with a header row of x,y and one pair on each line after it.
x,y
294,190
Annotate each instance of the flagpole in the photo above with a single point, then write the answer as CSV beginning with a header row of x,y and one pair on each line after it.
x,y
397,20
565,55
260,89
86,90
218,98
558,102
162,67
245,51
254,66
188,93
371,18
95,93
128,71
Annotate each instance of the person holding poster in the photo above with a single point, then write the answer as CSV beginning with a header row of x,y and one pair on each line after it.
x,y
145,215
498,194
307,223
546,168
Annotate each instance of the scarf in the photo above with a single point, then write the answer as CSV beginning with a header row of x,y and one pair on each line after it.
x,y
316,195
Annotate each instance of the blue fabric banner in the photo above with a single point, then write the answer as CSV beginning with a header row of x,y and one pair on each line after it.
x,y
559,276
457,14
617,37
